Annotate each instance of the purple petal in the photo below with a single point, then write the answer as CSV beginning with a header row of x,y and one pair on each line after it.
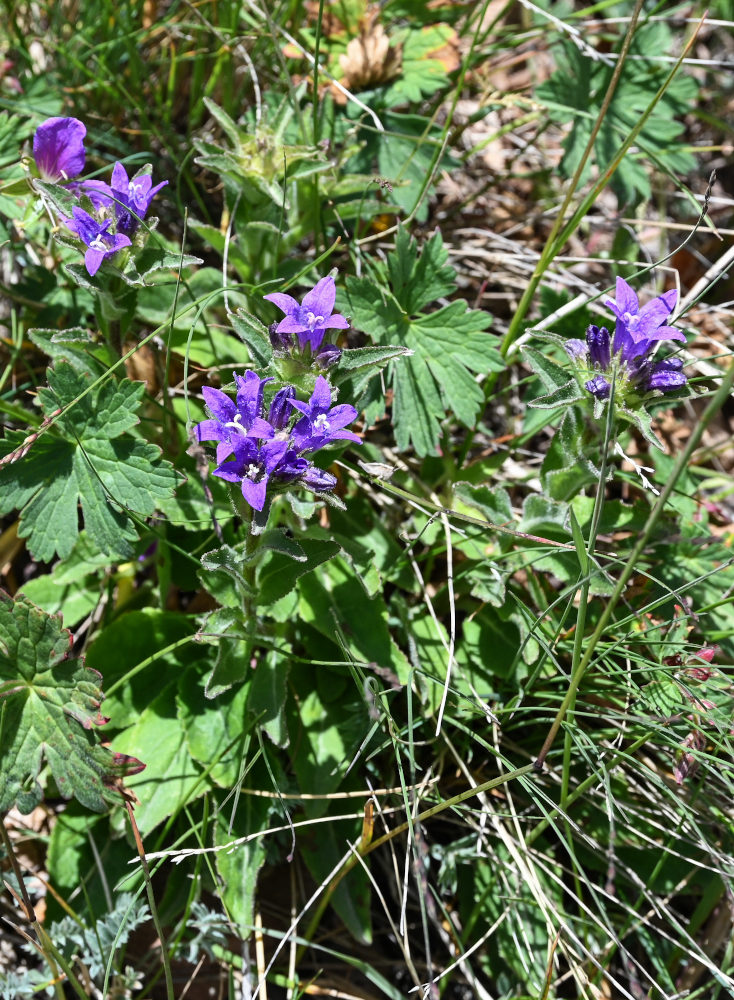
x,y
220,406
285,302
293,324
321,396
93,260
254,493
99,193
58,148
625,299
211,430
120,181
224,450
260,429
666,333
341,415
271,453
335,322
320,300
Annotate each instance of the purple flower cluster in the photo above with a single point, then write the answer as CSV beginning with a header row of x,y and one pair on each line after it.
x,y
636,335
268,454
58,149
308,321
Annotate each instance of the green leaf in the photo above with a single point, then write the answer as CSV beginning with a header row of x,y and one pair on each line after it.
x,y
215,731
253,334
448,345
49,706
82,458
576,91
278,572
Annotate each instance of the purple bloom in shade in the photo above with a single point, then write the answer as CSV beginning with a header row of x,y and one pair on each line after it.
x,y
576,349
310,319
100,243
58,148
318,480
280,341
327,356
599,387
637,329
322,423
133,197
252,465
597,340
234,421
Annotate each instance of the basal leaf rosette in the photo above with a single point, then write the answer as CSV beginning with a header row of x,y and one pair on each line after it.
x,y
49,711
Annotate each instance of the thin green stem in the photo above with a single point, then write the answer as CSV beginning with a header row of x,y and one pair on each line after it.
x,y
170,995
715,404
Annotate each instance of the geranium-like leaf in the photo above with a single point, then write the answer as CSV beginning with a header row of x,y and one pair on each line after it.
x,y
448,344
49,711
82,458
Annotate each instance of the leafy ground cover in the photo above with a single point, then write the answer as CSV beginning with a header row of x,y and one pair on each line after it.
x,y
365,493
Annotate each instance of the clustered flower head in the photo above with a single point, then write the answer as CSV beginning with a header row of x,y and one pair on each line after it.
x,y
58,149
308,321
269,454
627,355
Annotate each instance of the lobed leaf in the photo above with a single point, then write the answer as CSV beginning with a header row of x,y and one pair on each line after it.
x,y
49,706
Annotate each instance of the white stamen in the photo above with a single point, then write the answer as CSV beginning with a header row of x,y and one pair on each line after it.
x,y
321,423
313,321
252,471
98,244
236,424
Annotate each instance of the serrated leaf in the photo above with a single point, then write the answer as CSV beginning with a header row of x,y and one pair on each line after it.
x,y
576,91
82,459
253,334
49,707
448,344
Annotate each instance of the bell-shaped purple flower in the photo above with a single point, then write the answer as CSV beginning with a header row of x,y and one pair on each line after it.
x,y
310,319
132,197
322,423
99,242
638,328
58,148
636,336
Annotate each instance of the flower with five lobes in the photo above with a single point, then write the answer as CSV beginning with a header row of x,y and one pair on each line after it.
x,y
58,148
268,454
628,354
310,319
99,242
